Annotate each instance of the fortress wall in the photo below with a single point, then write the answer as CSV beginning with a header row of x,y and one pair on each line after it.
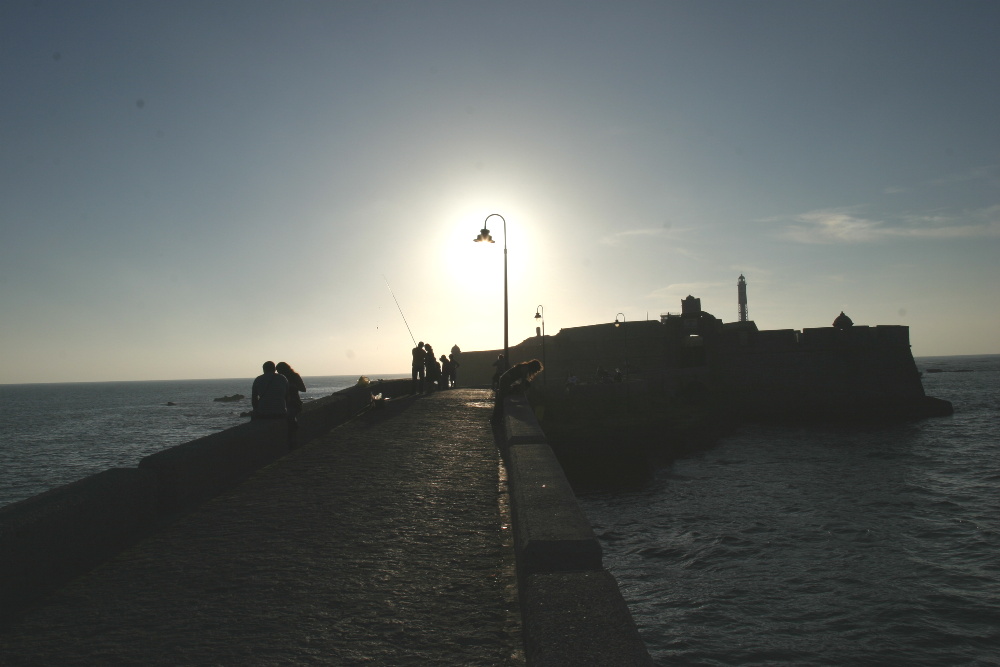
x,y
572,609
577,350
47,540
860,371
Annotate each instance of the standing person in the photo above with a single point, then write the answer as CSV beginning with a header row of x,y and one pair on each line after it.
x,y
433,367
418,368
267,396
445,372
501,365
293,404
454,368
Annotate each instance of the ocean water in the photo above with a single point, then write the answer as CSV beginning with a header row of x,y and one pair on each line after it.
x,y
875,545
54,434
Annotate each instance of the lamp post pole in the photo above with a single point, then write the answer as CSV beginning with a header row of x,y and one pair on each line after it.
x,y
484,236
540,315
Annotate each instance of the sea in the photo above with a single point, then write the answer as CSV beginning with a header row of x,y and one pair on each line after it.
x,y
792,545
823,545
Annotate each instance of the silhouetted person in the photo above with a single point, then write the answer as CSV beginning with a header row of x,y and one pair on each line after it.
x,y
293,404
843,321
418,368
603,375
433,368
501,365
453,367
445,372
518,378
267,396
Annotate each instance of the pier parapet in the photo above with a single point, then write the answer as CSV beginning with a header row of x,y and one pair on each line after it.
x,y
572,609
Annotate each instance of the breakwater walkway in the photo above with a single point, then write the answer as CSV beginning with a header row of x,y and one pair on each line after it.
x,y
383,541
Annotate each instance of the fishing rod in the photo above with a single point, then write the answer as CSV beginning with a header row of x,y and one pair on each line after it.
x,y
400,309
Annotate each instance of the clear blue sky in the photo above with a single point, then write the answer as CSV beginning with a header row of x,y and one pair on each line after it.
x,y
190,188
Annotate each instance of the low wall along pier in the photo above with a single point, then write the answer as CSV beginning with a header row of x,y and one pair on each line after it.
x,y
572,608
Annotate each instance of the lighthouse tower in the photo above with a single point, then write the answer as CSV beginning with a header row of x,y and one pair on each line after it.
x,y
741,291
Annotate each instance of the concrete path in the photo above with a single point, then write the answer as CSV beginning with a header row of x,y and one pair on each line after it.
x,y
384,542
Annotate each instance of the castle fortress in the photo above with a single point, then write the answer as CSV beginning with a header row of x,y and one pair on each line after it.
x,y
844,371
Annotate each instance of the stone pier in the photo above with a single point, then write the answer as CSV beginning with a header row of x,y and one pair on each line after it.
x,y
386,540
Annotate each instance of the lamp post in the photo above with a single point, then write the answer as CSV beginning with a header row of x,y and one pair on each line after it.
x,y
484,237
625,343
540,315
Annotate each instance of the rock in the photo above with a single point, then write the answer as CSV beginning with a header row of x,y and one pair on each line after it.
x,y
230,399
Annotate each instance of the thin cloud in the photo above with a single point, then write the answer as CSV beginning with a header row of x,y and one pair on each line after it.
x,y
833,226
618,238
846,226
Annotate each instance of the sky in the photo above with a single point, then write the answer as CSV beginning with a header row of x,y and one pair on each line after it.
x,y
188,189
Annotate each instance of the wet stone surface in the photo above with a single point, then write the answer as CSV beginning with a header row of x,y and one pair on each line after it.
x,y
380,543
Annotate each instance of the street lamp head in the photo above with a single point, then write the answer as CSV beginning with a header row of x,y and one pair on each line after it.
x,y
538,313
617,323
484,236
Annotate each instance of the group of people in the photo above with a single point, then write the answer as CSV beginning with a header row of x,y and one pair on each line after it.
x,y
429,371
275,395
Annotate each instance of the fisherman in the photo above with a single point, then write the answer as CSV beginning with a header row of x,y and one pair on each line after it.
x,y
417,368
